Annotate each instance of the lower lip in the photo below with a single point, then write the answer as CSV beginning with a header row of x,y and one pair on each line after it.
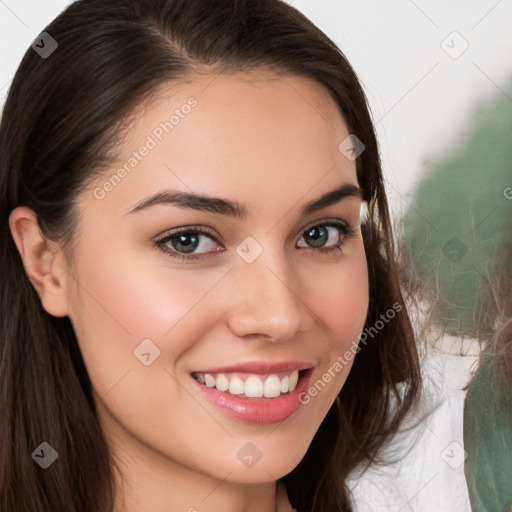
x,y
258,410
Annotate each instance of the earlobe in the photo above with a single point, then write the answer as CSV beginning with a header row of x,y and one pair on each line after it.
x,y
42,259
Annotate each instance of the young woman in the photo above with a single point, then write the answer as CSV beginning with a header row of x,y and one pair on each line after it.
x,y
200,304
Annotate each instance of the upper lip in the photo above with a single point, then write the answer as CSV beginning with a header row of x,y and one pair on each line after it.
x,y
260,367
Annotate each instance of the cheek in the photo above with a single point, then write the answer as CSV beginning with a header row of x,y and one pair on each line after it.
x,y
125,303
118,303
340,302
339,295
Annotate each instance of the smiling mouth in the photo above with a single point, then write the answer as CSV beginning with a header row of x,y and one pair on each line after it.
x,y
251,385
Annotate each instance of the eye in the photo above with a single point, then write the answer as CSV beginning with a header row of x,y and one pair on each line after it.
x,y
191,243
326,236
188,243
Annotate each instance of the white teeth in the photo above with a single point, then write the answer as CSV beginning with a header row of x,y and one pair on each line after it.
x,y
236,386
272,387
294,377
285,384
209,380
253,387
221,383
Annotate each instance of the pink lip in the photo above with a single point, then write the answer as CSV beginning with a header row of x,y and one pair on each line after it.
x,y
257,410
260,367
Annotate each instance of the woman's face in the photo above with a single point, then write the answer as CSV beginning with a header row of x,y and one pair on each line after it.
x,y
244,287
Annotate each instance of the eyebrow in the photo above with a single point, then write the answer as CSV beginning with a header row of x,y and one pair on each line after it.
x,y
234,208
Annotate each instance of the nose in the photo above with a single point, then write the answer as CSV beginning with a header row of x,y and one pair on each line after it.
x,y
265,299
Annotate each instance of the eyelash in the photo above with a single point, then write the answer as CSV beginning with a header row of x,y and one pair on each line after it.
x,y
345,230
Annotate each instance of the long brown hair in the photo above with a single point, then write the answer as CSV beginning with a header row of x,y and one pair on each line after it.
x,y
62,120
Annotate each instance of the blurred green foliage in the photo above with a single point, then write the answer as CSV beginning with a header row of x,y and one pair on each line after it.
x,y
456,235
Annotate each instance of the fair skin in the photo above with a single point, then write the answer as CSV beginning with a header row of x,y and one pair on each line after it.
x,y
269,143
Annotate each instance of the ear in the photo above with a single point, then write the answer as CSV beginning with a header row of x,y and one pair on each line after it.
x,y
43,261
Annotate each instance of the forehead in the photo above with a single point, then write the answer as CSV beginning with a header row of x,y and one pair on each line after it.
x,y
251,134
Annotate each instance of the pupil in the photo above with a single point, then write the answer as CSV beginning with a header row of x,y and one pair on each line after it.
x,y
318,235
187,241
